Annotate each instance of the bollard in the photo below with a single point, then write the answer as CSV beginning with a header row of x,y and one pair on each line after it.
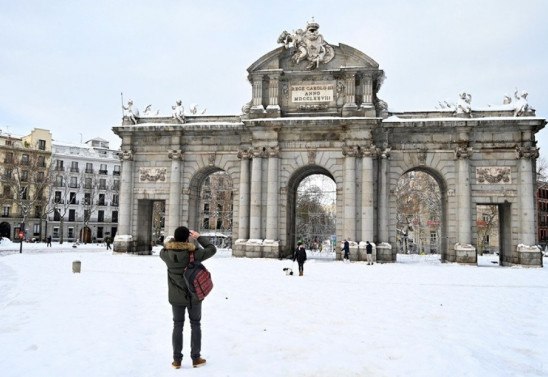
x,y
76,265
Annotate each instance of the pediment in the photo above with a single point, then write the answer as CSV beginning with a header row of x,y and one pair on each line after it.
x,y
344,57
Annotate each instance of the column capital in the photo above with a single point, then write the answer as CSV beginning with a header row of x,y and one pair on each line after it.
x,y
175,154
273,151
244,154
384,153
126,155
351,151
258,152
463,152
528,153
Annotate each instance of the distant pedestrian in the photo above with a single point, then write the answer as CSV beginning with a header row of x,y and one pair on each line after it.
x,y
369,252
108,241
48,244
346,249
300,257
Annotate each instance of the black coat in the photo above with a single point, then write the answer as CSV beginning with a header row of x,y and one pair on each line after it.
x,y
300,255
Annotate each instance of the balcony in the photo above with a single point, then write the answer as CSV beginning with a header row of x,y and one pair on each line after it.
x,y
73,185
104,172
74,170
89,171
59,168
116,172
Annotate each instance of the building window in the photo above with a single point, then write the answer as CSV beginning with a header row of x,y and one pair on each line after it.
x,y
87,199
72,215
87,183
73,182
42,145
102,184
7,192
101,200
74,167
116,170
57,197
89,168
70,232
25,159
55,232
72,198
56,215
59,165
8,159
40,176
24,176
100,216
115,199
99,232
36,230
6,211
114,216
41,162
59,181
116,184
38,212
103,169
24,194
7,173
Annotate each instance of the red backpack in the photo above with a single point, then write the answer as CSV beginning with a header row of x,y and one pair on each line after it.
x,y
197,279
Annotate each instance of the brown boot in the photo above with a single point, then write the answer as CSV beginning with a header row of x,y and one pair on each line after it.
x,y
199,362
300,273
176,364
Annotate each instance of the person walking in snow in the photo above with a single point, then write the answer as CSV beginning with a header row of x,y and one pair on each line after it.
x,y
346,249
108,241
369,253
300,257
176,255
48,244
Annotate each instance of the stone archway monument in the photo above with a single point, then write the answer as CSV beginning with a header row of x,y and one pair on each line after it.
x,y
315,109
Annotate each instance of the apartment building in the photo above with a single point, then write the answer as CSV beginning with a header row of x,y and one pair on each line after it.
x,y
24,166
84,196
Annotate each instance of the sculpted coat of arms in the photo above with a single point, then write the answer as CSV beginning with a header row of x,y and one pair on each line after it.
x,y
308,45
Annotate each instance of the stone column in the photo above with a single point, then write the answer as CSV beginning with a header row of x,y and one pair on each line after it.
x,y
526,193
349,211
272,195
174,206
256,194
126,193
243,217
350,94
464,212
273,107
367,213
367,89
383,195
257,91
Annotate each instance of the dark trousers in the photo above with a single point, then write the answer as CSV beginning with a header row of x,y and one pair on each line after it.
x,y
301,266
195,316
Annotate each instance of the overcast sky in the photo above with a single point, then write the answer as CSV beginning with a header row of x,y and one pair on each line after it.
x,y
63,64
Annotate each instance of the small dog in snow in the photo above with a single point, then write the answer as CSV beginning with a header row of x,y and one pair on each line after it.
x,y
288,271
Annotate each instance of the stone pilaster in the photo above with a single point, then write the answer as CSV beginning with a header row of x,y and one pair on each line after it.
x,y
126,192
256,193
273,108
243,217
526,193
257,89
464,214
349,201
174,206
272,198
383,196
367,213
350,94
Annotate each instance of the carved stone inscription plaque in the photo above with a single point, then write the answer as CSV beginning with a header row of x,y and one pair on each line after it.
x,y
322,91
152,174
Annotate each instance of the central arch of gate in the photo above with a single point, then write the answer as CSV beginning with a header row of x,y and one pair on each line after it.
x,y
314,109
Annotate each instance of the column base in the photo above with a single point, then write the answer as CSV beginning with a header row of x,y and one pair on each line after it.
x,y
384,253
529,256
465,254
123,243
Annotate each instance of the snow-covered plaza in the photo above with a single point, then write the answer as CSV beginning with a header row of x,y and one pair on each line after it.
x,y
417,317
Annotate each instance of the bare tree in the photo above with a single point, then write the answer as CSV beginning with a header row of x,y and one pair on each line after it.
x,y
486,222
418,208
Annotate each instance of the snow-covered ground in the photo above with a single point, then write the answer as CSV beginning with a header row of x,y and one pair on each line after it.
x,y
418,318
